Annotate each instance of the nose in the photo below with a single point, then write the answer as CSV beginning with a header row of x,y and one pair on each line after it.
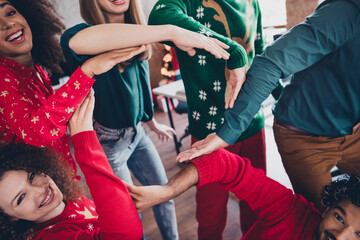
x,y
6,23
344,234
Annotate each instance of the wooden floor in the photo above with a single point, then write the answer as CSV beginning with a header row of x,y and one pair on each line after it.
x,y
185,203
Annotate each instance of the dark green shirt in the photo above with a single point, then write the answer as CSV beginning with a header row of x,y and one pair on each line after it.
x,y
122,99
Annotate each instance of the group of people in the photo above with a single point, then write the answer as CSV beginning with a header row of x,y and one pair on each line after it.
x,y
316,120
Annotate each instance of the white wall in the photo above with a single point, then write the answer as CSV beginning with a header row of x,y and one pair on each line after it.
x,y
70,11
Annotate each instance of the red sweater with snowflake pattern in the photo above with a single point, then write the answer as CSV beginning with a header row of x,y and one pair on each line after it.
x,y
32,112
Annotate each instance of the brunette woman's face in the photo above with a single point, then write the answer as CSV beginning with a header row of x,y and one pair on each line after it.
x,y
114,7
30,196
15,33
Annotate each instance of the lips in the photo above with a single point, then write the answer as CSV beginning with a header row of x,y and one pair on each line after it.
x,y
16,36
118,2
49,195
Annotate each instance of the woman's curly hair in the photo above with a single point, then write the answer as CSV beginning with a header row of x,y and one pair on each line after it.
x,y
347,188
34,160
46,27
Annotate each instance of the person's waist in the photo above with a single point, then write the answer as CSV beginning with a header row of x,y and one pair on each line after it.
x,y
290,127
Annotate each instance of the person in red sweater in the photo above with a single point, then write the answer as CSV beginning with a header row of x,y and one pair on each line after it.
x,y
282,214
30,110
40,200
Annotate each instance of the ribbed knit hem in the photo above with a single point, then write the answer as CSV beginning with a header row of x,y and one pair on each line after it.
x,y
204,170
238,58
84,140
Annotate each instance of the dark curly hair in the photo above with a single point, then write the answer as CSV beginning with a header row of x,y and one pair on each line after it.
x,y
34,160
346,188
46,27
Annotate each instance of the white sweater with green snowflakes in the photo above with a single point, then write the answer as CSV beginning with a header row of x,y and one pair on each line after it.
x,y
235,22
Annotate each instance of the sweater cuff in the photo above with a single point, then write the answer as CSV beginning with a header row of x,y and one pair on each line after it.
x,y
85,140
238,58
204,170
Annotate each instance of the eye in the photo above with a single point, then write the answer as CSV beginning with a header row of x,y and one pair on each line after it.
x,y
339,218
11,13
20,199
31,177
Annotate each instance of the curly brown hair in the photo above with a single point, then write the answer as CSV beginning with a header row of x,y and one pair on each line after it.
x,y
46,27
346,188
34,160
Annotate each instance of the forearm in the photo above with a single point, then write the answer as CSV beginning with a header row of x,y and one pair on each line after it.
x,y
183,180
115,36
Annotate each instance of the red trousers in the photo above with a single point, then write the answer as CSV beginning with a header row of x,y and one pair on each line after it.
x,y
211,199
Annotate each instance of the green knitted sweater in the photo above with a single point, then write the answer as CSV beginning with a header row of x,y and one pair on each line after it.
x,y
234,22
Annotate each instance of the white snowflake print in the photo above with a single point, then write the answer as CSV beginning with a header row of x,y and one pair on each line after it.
x,y
213,110
217,87
35,119
2,110
64,94
54,132
72,216
76,205
207,25
205,32
92,208
211,126
200,12
258,36
160,6
7,80
202,95
202,60
4,93
90,226
222,120
196,115
69,110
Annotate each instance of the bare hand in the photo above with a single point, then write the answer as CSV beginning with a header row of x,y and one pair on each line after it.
x,y
106,61
164,132
188,41
148,196
208,145
81,120
236,80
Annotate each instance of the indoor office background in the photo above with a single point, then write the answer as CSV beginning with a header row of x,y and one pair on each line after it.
x,y
278,15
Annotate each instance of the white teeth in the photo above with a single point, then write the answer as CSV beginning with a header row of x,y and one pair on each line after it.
x,y
16,35
47,198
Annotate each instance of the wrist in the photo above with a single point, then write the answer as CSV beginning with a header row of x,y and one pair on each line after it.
x,y
86,69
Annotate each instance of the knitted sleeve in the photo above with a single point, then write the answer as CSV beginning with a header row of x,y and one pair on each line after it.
x,y
118,217
38,124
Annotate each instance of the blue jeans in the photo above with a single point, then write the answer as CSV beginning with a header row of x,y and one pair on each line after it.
x,y
131,148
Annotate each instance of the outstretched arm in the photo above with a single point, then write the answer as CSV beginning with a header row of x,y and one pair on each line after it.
x,y
148,196
93,40
118,218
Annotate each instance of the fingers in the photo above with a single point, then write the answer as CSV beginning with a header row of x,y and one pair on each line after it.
x,y
220,43
189,155
191,52
215,48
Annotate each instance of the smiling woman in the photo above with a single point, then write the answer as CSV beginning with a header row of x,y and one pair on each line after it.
x,y
26,175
